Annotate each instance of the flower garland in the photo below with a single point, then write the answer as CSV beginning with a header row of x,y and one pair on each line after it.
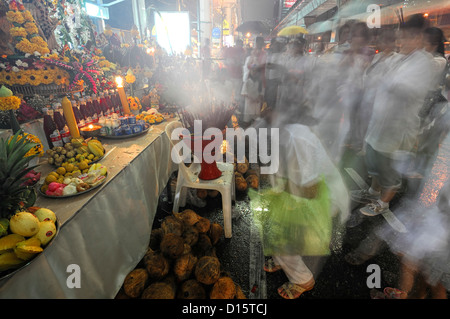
x,y
7,100
134,103
25,31
35,77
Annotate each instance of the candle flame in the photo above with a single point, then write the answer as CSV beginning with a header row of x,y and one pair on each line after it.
x,y
91,126
119,81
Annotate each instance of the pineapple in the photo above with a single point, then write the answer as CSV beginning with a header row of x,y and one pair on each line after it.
x,y
13,168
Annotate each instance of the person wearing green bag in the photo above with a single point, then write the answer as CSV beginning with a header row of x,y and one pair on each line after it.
x,y
294,215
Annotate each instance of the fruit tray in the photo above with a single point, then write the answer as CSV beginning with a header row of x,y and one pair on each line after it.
x,y
10,272
40,192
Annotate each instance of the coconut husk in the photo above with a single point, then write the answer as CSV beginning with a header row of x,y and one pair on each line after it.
x,y
252,181
251,172
242,167
188,216
156,264
121,294
223,288
203,246
155,238
190,235
237,174
172,245
159,290
191,289
239,293
184,266
135,282
202,193
213,193
207,270
172,225
203,225
241,184
215,233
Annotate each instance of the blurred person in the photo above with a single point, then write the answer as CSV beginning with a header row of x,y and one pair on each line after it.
x,y
373,76
343,38
424,250
273,73
253,93
394,125
206,59
307,198
253,78
234,61
433,112
355,61
328,75
296,74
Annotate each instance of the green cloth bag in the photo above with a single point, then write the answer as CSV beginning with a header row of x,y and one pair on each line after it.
x,y
292,225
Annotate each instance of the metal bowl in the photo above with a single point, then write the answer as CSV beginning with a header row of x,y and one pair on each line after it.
x,y
91,133
11,272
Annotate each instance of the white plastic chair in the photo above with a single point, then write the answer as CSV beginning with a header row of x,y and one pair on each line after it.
x,y
188,178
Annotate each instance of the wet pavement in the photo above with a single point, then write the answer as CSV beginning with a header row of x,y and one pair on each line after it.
x,y
241,256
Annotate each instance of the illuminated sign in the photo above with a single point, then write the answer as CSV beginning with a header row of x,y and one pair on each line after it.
x,y
96,11
289,3
173,31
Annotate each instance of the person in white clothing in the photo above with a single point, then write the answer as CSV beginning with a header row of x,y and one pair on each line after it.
x,y
295,215
395,124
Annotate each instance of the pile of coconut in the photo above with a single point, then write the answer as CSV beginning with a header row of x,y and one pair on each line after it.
x,y
181,263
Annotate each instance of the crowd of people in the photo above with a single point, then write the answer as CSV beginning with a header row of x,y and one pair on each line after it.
x,y
387,105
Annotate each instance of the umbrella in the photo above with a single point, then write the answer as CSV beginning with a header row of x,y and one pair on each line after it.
x,y
255,27
292,30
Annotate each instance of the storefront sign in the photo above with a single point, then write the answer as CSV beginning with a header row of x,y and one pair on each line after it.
x,y
289,3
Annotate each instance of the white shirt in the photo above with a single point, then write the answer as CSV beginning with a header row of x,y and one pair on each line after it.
x,y
395,123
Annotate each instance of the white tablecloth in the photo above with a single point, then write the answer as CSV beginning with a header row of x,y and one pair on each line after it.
x,y
105,232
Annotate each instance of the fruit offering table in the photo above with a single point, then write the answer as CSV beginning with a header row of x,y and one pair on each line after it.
x,y
103,233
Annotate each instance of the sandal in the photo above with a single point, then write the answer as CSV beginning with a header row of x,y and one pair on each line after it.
x,y
292,291
270,266
394,293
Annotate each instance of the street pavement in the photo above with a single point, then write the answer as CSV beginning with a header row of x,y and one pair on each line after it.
x,y
241,256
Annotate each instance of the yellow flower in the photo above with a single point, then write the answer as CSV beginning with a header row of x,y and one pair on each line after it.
x,y
130,78
18,32
25,46
34,79
15,16
7,77
9,103
31,29
20,79
30,138
27,16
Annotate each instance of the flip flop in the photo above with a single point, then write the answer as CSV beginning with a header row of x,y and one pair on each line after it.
x,y
394,293
270,266
292,291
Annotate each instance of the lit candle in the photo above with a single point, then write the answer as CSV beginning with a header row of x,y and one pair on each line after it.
x,y
70,117
122,95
